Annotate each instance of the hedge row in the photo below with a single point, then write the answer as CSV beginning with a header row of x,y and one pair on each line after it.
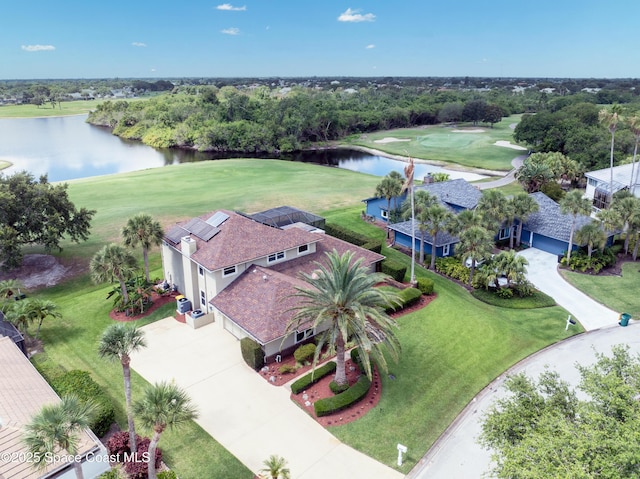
x,y
352,237
313,377
252,353
394,269
85,388
406,298
425,285
355,393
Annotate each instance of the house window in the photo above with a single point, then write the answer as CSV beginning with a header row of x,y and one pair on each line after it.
x,y
446,250
304,334
592,182
276,256
384,214
229,271
504,233
303,249
200,270
203,298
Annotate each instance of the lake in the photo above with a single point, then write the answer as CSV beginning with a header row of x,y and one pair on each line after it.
x,y
67,148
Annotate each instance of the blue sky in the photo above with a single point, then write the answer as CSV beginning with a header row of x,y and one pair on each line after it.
x,y
291,38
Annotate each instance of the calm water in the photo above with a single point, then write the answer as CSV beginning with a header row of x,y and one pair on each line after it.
x,y
66,148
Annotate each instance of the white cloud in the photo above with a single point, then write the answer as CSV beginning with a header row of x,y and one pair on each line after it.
x,y
231,31
230,8
355,16
37,48
370,46
138,44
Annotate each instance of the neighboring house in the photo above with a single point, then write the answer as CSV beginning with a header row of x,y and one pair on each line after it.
x,y
241,272
548,229
455,195
23,392
598,181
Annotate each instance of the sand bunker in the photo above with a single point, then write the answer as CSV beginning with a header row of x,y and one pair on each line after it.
x,y
391,140
507,144
470,130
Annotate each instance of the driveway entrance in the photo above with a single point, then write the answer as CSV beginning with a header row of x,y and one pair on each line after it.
x,y
543,273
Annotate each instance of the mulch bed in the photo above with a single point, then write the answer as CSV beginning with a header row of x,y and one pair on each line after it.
x,y
157,301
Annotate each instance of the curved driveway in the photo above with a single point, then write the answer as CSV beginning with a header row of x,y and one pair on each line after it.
x,y
457,455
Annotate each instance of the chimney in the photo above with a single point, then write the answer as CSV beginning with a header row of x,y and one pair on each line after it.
x,y
427,180
188,245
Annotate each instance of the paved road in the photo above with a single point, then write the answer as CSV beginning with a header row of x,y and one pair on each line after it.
x,y
250,417
508,178
543,273
457,455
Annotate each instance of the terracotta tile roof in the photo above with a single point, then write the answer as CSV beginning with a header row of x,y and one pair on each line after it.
x,y
242,240
260,301
23,391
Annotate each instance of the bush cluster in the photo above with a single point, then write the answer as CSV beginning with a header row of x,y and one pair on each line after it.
x,y
453,268
85,388
355,357
355,393
252,353
313,377
137,468
394,269
338,388
426,285
287,369
580,261
406,298
304,353
346,234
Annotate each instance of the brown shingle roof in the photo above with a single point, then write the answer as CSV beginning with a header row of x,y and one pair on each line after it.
x,y
23,391
242,240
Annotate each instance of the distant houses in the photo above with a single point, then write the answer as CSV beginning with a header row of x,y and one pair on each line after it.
x,y
599,183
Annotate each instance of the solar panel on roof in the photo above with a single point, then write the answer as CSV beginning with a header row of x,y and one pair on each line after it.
x,y
201,229
218,218
176,233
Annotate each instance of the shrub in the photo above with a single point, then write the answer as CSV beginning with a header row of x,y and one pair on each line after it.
x,y
355,357
425,285
305,352
338,388
410,296
118,443
167,475
504,293
85,388
355,393
394,269
313,377
553,190
287,369
252,353
453,268
347,234
116,472
138,467
375,246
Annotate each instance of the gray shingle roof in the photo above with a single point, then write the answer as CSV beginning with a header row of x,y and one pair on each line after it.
x,y
458,193
550,221
443,237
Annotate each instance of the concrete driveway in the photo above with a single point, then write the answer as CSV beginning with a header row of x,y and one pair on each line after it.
x,y
248,416
543,273
457,454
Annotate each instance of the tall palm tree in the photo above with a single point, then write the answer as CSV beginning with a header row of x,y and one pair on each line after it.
x,y
476,243
523,207
276,467
19,315
41,309
593,235
491,207
423,200
163,405
117,343
8,288
142,230
342,297
625,209
610,120
56,429
511,265
574,204
438,219
113,263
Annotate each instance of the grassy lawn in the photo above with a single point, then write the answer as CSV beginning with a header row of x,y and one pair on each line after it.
x,y
451,349
78,107
618,293
442,143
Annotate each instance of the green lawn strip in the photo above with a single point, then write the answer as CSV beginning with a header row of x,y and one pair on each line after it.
x,y
66,108
71,343
442,143
537,300
615,292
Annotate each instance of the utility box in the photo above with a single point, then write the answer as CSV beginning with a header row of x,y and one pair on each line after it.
x,y
624,319
198,318
184,305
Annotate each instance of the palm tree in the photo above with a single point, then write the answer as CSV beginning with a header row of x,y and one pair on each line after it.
x,y
534,175
19,315
388,188
491,207
511,265
591,234
276,467
56,428
40,309
423,200
163,405
343,298
117,343
8,288
476,243
142,229
574,204
438,219
111,263
610,119
509,213
523,207
625,209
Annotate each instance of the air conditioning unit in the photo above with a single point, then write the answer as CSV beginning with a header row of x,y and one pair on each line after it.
x,y
184,305
196,313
